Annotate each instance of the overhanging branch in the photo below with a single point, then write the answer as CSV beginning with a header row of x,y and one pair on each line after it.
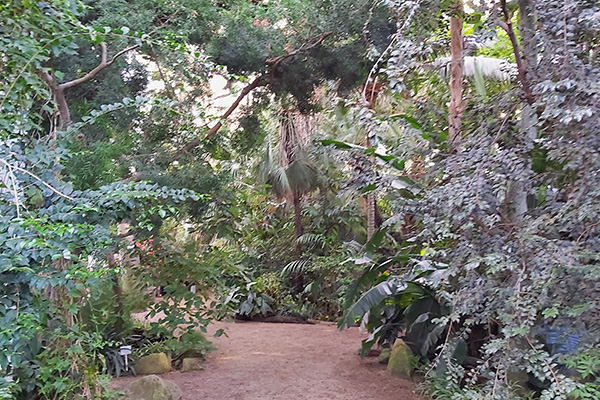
x,y
311,44
262,80
104,62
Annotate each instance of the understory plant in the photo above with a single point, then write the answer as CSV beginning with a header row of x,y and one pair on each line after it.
x,y
505,215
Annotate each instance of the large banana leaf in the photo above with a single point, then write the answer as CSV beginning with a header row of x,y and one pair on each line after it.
x,y
366,279
370,299
372,245
422,334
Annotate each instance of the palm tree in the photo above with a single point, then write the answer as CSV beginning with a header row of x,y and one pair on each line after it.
x,y
286,166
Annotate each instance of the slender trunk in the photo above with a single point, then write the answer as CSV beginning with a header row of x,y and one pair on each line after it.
x,y
528,39
456,106
529,117
371,92
516,196
521,66
371,214
298,229
118,326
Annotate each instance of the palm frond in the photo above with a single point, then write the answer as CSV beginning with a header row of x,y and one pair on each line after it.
x,y
285,164
295,267
295,131
312,240
301,176
353,247
278,179
490,67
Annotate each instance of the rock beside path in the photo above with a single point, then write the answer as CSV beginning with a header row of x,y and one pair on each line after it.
x,y
158,363
384,356
399,363
152,387
192,364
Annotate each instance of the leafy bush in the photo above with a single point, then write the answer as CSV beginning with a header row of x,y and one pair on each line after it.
x,y
189,344
248,301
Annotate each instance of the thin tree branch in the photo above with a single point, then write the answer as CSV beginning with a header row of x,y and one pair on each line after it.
x,y
507,26
15,191
46,77
311,44
262,80
8,165
103,64
168,87
375,68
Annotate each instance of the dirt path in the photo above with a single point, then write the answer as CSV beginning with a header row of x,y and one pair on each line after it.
x,y
266,361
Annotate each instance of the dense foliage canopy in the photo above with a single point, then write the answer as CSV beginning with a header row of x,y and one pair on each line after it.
x,y
428,169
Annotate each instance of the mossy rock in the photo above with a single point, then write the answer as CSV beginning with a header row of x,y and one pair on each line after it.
x,y
157,363
518,379
152,387
193,353
384,356
192,364
399,363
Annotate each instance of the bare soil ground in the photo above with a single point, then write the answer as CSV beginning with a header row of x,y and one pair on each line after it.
x,y
269,361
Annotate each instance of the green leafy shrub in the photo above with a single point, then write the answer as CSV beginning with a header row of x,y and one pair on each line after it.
x,y
189,344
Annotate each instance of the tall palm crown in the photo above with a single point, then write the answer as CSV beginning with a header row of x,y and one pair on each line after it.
x,y
286,166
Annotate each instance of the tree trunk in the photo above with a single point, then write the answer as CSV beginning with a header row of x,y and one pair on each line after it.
x,y
371,92
527,30
516,196
298,229
371,215
456,106
64,115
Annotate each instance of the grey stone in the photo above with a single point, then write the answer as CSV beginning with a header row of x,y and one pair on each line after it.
x,y
152,387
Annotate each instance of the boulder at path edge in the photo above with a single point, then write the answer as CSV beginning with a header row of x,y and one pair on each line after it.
x,y
399,363
384,356
158,363
152,387
192,364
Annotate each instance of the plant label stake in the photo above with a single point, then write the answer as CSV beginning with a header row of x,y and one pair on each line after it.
x,y
125,351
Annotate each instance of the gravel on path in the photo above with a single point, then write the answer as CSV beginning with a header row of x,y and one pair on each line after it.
x,y
270,361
